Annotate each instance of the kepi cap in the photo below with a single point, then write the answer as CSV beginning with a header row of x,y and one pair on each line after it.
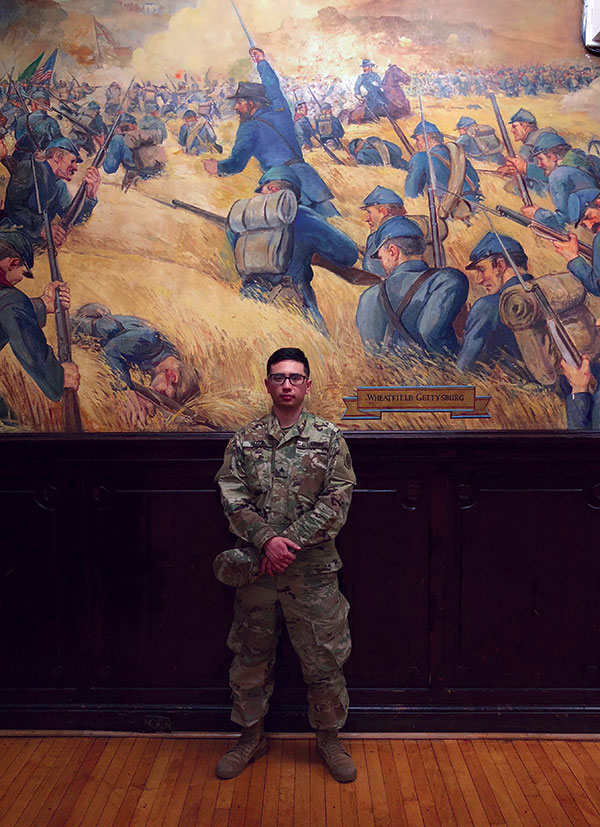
x,y
490,246
523,116
67,145
396,227
381,195
280,173
20,244
430,129
547,141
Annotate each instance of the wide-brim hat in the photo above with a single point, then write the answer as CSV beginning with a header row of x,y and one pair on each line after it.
x,y
250,91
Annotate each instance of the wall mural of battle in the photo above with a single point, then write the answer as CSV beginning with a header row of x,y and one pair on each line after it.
x,y
408,191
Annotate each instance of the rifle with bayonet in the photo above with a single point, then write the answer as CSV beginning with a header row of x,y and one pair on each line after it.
x,y
439,258
548,233
353,275
79,198
508,147
70,401
171,407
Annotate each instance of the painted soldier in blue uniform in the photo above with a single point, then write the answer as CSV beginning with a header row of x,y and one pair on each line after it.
x,y
266,132
524,128
584,210
368,87
196,134
22,318
150,121
129,343
583,401
329,128
480,143
567,171
379,206
417,179
305,132
486,340
415,306
376,152
311,234
35,129
91,122
59,166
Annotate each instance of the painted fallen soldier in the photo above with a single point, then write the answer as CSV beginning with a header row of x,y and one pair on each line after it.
x,y
129,343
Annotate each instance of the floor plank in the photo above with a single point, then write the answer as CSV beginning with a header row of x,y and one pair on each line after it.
x,y
140,781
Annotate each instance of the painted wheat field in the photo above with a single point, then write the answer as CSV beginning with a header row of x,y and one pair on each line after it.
x,y
176,270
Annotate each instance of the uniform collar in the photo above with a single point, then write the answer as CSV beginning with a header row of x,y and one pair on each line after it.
x,y
413,265
279,435
514,281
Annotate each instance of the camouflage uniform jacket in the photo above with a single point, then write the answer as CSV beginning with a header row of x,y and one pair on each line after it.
x,y
295,483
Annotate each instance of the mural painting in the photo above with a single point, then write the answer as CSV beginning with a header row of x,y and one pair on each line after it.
x,y
408,191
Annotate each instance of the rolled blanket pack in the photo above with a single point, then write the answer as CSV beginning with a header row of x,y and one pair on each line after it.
x,y
264,226
520,311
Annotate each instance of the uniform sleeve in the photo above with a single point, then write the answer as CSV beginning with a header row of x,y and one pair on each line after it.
x,y
477,331
242,151
29,345
560,188
20,198
329,514
272,85
64,202
442,307
579,410
333,244
588,274
114,154
244,519
416,180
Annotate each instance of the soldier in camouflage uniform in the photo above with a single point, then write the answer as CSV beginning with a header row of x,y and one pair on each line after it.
x,y
286,484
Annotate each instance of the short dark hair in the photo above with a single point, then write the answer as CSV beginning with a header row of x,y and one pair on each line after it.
x,y
412,245
8,251
294,354
560,150
520,259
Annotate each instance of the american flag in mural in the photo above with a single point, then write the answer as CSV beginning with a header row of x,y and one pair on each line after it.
x,y
44,73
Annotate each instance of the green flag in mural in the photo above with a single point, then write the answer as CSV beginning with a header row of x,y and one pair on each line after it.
x,y
28,73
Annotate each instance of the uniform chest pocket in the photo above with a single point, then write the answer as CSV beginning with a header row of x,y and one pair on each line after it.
x,y
310,468
259,460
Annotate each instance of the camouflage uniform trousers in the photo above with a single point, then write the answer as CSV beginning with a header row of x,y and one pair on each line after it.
x,y
316,616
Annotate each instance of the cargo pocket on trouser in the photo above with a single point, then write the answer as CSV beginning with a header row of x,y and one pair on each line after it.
x,y
322,641
253,640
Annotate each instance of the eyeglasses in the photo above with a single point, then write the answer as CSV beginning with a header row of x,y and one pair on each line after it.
x,y
295,378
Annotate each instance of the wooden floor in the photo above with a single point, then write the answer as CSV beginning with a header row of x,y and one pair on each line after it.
x,y
101,781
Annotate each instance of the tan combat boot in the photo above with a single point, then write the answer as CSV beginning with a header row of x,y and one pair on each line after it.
x,y
251,744
330,748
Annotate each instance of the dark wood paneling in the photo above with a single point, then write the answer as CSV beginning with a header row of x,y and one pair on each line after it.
x,y
470,566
